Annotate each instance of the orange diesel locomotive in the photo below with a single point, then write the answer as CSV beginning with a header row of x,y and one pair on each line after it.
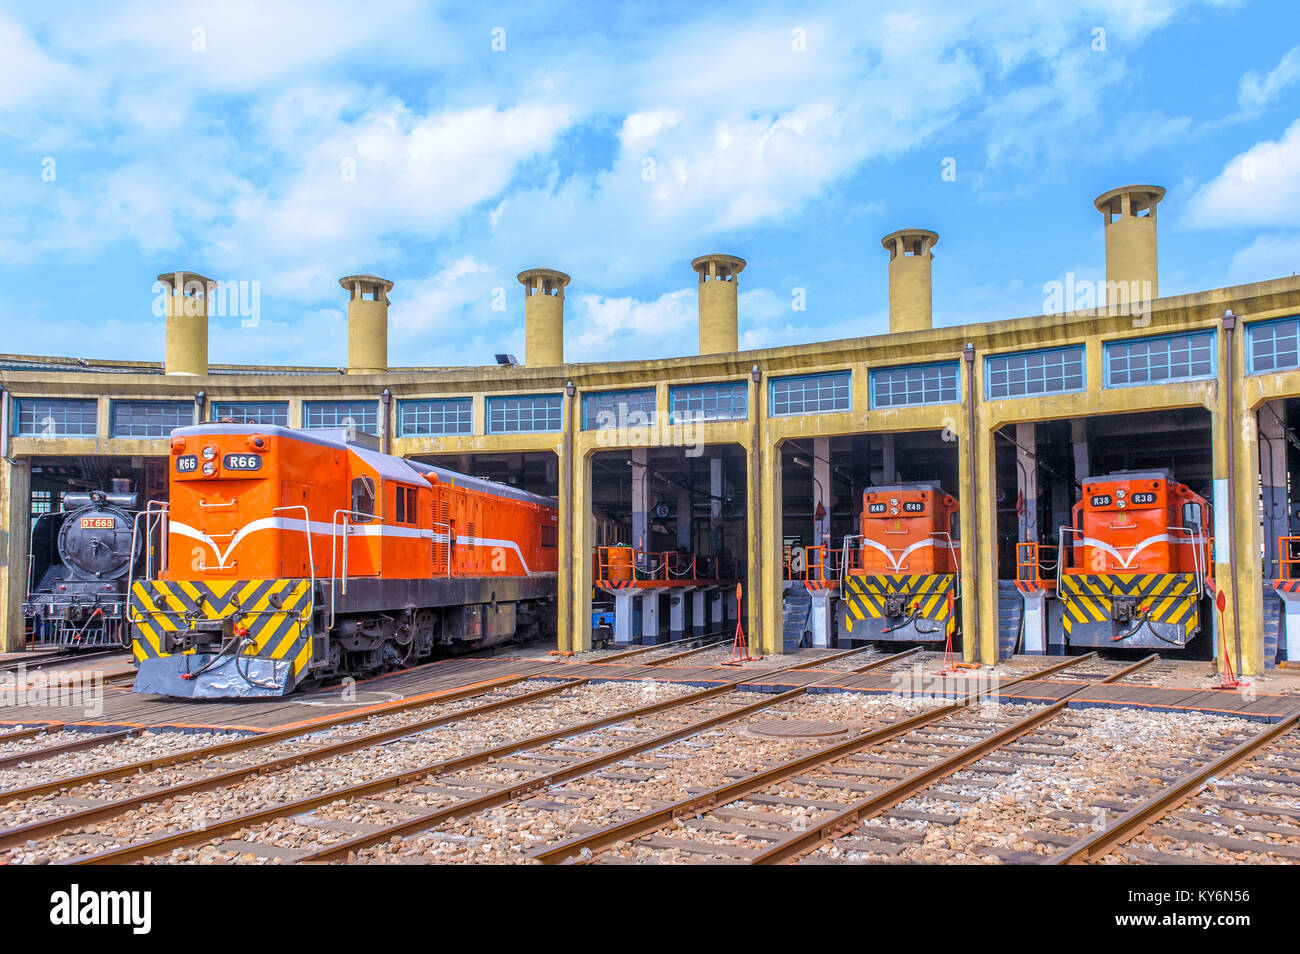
x,y
1140,554
295,556
901,572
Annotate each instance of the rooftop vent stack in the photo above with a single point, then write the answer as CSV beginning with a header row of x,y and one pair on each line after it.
x,y
911,305
1130,213
367,323
719,312
543,316
187,310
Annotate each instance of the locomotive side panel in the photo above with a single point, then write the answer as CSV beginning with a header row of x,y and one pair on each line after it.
x,y
400,559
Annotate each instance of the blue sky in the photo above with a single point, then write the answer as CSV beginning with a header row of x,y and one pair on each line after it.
x,y
293,143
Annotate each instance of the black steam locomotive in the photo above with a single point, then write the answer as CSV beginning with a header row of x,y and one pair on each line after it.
x,y
81,558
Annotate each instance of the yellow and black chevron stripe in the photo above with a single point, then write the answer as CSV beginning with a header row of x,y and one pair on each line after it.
x,y
864,597
275,614
1171,597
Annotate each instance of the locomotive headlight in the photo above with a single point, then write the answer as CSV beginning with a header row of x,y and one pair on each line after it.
x,y
209,469
1121,494
893,501
209,452
893,511
1122,504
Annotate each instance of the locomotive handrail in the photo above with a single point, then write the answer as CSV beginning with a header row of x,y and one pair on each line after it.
x,y
234,502
846,563
1285,561
1060,554
334,536
1197,539
954,548
311,561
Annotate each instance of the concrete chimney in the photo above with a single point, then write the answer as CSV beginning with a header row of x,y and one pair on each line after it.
x,y
719,312
187,310
367,323
1130,213
911,305
543,316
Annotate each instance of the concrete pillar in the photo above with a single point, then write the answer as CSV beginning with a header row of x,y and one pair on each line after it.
x,y
699,610
1027,479
910,297
822,619
715,501
543,316
1130,214
1034,624
187,311
821,489
1273,480
650,617
685,538
624,614
1079,444
677,603
888,462
719,310
367,323
1242,584
15,506
640,500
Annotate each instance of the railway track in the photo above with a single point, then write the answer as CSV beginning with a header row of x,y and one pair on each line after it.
x,y
460,747
113,791
40,662
790,807
1243,806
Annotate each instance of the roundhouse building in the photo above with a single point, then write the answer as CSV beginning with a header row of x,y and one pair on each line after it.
x,y
1010,416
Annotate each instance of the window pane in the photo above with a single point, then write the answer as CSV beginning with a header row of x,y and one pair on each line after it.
x,y
1174,358
55,418
269,413
811,394
899,387
443,416
611,409
1275,345
525,414
1044,372
150,418
362,416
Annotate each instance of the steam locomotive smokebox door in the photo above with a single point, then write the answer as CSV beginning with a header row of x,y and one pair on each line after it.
x,y
96,544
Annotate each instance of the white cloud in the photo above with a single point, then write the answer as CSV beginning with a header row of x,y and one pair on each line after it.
x,y
1267,257
1258,189
1257,90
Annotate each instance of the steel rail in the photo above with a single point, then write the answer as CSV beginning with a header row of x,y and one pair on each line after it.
x,y
874,804
639,650
90,741
59,658
508,793
1138,818
651,821
45,826
687,652
242,742
384,783
34,730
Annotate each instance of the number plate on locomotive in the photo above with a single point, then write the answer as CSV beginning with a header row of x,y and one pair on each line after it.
x,y
913,506
187,463
1101,500
1139,499
97,523
876,508
242,462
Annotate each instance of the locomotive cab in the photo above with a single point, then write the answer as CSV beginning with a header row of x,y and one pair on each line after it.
x,y
901,570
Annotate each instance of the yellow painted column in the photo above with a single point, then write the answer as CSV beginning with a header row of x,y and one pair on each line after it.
x,y
577,588
771,566
15,497
1241,584
986,496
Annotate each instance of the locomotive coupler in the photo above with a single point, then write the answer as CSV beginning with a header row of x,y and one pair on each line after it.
x,y
1125,608
895,606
